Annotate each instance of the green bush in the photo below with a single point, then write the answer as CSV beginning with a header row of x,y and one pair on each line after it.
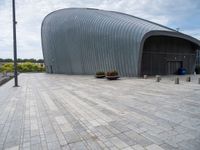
x,y
100,73
8,67
23,67
112,73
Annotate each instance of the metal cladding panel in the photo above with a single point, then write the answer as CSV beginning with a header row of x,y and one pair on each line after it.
x,y
83,41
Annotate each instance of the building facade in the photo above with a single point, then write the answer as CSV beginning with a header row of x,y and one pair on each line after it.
x,y
198,58
84,41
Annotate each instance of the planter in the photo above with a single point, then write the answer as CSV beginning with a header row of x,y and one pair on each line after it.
x,y
100,76
112,77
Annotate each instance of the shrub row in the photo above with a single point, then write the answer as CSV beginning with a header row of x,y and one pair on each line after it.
x,y
23,67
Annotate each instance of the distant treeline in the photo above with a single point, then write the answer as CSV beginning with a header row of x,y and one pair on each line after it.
x,y
23,60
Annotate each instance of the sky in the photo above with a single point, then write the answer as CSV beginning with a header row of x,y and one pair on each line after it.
x,y
183,14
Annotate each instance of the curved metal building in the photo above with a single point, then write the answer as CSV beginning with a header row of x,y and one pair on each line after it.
x,y
84,40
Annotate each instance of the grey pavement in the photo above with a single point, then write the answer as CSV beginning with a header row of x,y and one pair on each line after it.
x,y
58,112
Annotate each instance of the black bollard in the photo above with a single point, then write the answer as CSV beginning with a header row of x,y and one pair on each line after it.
x,y
176,80
188,79
158,78
145,76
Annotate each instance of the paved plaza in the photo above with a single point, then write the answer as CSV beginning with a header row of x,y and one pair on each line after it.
x,y
83,113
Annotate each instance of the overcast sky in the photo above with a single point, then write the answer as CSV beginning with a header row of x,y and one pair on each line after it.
x,y
183,14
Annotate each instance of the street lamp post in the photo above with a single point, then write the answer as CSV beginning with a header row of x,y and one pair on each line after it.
x,y
14,44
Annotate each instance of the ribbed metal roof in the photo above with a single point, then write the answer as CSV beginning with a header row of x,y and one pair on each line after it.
x,y
74,35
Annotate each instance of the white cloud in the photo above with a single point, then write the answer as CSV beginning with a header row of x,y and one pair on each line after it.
x,y
30,14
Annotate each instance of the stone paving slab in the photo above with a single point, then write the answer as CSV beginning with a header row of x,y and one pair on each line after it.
x,y
58,112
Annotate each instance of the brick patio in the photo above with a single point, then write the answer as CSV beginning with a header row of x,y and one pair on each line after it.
x,y
80,112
